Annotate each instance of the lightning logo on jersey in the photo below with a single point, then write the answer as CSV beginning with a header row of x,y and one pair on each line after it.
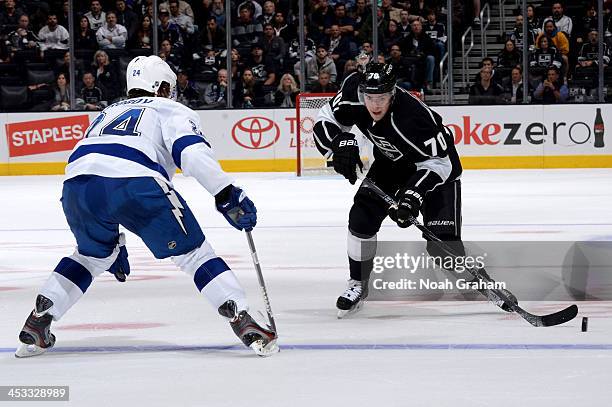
x,y
176,203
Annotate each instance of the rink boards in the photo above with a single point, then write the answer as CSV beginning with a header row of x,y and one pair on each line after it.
x,y
487,137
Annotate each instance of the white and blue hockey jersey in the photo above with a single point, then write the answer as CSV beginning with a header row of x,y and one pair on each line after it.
x,y
147,137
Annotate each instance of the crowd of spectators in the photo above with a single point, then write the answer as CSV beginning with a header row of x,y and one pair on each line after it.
x,y
563,49
265,68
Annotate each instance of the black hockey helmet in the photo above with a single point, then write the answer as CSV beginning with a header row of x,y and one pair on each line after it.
x,y
377,78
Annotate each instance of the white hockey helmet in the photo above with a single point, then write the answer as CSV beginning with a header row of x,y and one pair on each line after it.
x,y
148,73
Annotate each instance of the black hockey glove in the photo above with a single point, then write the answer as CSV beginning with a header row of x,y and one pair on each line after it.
x,y
346,156
121,267
408,204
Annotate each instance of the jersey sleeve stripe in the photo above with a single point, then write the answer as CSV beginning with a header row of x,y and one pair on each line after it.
x,y
182,143
119,151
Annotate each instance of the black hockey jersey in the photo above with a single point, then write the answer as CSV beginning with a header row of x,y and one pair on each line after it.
x,y
409,138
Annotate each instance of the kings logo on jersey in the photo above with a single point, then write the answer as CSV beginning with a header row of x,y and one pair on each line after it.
x,y
388,149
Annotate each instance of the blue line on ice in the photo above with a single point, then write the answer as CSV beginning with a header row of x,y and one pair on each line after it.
x,y
398,346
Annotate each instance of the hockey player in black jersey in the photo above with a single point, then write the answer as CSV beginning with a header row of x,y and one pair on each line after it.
x,y
414,160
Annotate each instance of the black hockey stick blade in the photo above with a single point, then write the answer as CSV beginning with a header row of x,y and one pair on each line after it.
x,y
553,319
557,318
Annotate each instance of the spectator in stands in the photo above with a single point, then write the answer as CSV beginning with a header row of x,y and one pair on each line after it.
x,y
237,65
323,84
91,96
218,11
401,69
22,39
419,47
62,19
544,56
338,46
262,67
389,12
562,22
286,31
589,53
345,24
310,48
360,14
168,30
349,68
184,8
287,91
213,35
508,58
517,34
556,38
436,31
246,31
586,24
254,6
321,12
61,94
85,37
366,48
215,94
183,21
53,35
64,67
248,94
404,23
206,67
9,17
391,36
485,91
169,54
185,92
513,87
127,18
106,75
95,15
551,90
111,35
144,34
321,62
269,10
534,24
273,46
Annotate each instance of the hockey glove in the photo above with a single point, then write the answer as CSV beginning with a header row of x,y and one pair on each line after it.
x,y
408,204
237,208
346,156
121,267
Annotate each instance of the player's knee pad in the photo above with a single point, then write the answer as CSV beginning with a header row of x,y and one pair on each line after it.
x,y
67,284
360,247
191,261
366,214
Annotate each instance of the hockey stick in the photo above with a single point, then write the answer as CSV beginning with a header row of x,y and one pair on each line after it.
x,y
262,284
556,318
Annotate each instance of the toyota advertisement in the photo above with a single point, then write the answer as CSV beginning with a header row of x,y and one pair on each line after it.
x,y
485,131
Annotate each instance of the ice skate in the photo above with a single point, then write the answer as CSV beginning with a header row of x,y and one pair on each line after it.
x,y
35,336
261,340
350,301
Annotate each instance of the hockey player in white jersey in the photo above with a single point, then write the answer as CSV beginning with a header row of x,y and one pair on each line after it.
x,y
120,174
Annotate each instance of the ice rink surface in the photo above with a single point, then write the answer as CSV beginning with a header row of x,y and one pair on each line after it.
x,y
155,341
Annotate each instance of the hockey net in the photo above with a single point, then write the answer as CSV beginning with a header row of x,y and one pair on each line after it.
x,y
309,159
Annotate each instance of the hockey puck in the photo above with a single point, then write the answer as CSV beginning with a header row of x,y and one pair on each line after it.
x,y
585,324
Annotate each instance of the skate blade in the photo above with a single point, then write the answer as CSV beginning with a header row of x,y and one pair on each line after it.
x,y
347,313
25,351
265,350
